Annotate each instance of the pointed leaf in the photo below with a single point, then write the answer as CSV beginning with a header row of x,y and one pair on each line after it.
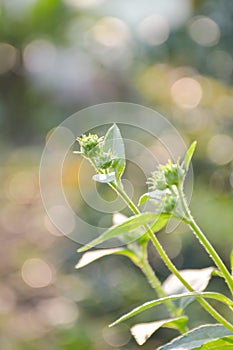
x,y
138,234
197,337
113,143
225,343
143,199
127,226
150,304
89,257
188,156
143,331
104,178
198,279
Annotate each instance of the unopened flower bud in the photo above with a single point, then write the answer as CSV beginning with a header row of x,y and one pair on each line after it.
x,y
169,203
89,144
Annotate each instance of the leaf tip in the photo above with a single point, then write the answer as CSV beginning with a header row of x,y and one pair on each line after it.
x,y
112,324
143,199
83,249
189,154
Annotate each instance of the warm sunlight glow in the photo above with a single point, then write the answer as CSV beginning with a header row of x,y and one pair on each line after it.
x,y
36,273
186,93
111,31
220,149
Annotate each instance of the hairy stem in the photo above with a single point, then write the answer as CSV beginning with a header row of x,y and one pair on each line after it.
x,y
144,265
155,283
174,270
169,263
204,241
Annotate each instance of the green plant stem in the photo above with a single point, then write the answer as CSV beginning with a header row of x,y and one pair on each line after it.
x,y
174,270
204,241
144,264
125,197
169,263
155,283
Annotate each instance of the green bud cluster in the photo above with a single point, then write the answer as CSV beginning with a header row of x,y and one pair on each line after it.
x,y
173,173
91,148
157,181
89,144
163,181
168,202
166,176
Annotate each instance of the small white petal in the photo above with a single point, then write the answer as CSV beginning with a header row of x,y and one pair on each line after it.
x,y
104,178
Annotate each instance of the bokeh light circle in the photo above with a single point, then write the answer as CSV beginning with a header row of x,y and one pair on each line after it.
x,y
37,273
149,139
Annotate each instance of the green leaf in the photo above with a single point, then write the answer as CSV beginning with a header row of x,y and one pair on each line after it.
x,y
127,226
225,343
188,156
198,279
150,304
197,337
127,237
132,223
113,142
143,199
104,178
89,257
143,331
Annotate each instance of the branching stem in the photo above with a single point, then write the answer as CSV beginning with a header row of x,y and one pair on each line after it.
x,y
188,218
215,314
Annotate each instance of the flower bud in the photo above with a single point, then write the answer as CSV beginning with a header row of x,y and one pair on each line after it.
x,y
157,181
171,173
169,203
103,160
89,144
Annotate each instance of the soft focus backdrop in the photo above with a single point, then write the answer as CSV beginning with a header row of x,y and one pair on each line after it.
x,y
57,57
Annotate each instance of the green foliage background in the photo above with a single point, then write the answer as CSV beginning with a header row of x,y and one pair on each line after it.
x,y
56,57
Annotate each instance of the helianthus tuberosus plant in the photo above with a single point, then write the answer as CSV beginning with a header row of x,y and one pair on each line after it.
x,y
107,155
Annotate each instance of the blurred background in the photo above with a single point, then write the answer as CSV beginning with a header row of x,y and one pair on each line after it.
x,y
57,57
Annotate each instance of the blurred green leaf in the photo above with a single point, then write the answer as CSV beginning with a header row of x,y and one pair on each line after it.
x,y
114,144
208,295
197,337
198,279
143,331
